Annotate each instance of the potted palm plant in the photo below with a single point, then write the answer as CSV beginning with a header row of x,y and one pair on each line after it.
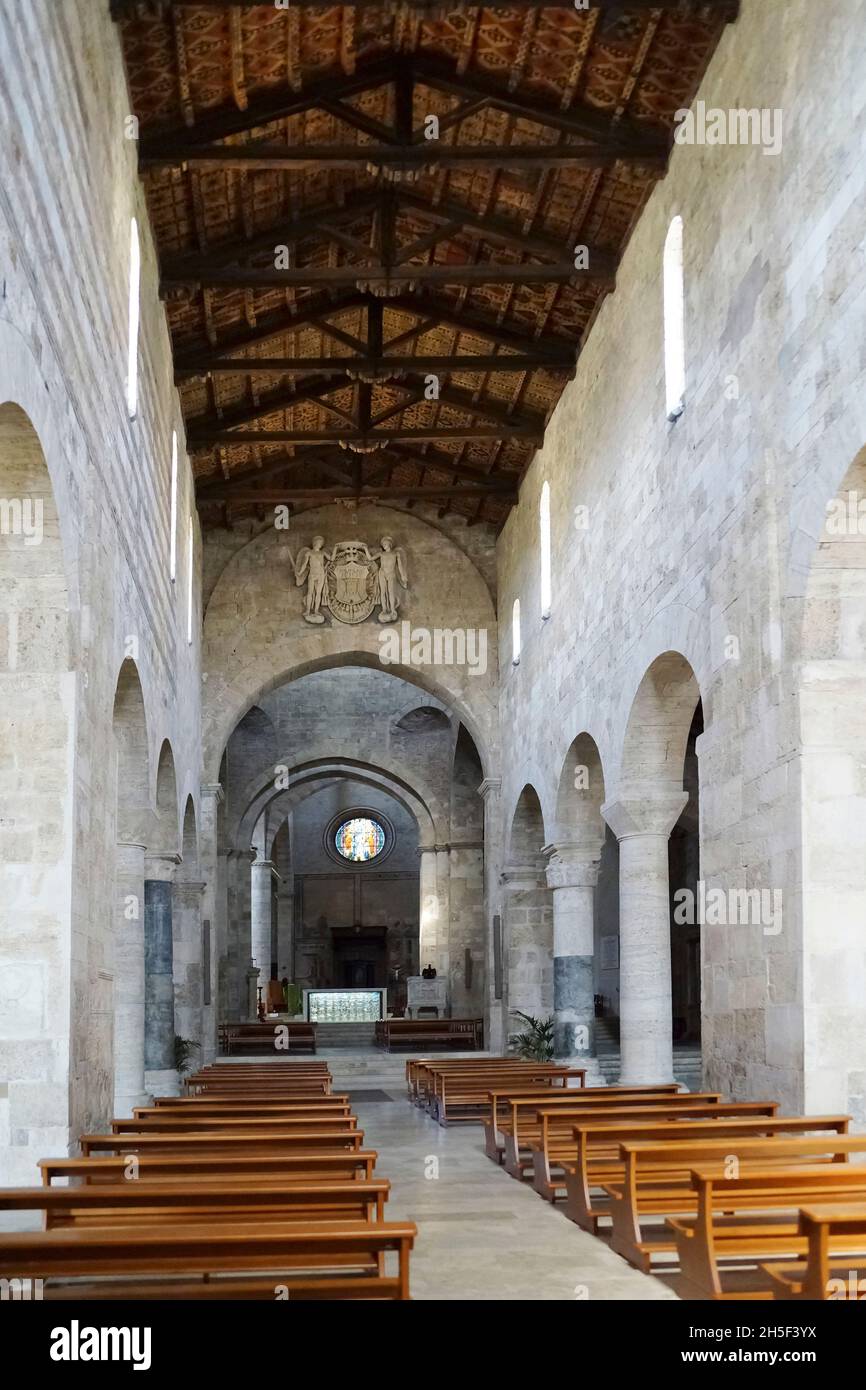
x,y
535,1043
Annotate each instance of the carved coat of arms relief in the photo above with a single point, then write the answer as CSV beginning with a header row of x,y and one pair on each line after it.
x,y
351,580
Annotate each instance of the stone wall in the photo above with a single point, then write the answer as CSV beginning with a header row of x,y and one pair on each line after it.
x,y
698,537
68,188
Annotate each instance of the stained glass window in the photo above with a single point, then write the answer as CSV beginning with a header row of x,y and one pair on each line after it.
x,y
360,839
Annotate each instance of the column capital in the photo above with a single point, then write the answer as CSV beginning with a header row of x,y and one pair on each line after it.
x,y
160,867
432,849
491,786
215,790
572,864
190,885
269,865
521,878
634,814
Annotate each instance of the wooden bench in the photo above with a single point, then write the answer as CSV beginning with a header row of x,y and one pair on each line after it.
x,y
338,1164
323,1260
458,1094
223,1141
231,1124
505,1098
451,1032
835,1264
147,1203
258,1087
549,1133
263,1038
421,1071
657,1171
254,1109
600,1156
741,1219
465,1095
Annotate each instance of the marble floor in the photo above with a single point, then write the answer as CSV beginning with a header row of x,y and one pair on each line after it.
x,y
481,1235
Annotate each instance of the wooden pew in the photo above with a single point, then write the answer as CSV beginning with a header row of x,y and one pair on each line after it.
x,y
600,1157
451,1032
835,1264
550,1133
264,1038
231,1124
260,1084
505,1098
254,1109
656,1179
222,1141
463,1095
421,1071
277,1067
334,1164
148,1203
324,1260
750,1216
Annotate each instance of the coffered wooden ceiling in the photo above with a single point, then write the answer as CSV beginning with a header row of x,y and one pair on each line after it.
x,y
365,301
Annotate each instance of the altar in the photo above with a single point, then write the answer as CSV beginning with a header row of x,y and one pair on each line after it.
x,y
345,1005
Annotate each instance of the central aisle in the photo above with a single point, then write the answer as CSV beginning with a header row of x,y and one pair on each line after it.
x,y
481,1234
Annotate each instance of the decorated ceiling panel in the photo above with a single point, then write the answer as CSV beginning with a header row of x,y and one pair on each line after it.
x,y
385,230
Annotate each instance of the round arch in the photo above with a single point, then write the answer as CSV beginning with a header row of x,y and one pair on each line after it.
x,y
39,960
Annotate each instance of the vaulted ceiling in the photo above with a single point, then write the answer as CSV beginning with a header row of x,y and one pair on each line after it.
x,y
385,230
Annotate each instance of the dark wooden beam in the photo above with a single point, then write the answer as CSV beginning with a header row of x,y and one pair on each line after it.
x,y
380,367
485,273
287,232
480,326
476,91
169,153
501,231
584,122
426,308
334,463
208,437
120,9
315,390
275,498
334,87
451,218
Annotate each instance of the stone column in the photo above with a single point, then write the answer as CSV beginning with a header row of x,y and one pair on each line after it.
x,y
263,875
431,923
642,825
186,901
129,1088
572,871
160,1074
238,936
213,912
529,973
494,1010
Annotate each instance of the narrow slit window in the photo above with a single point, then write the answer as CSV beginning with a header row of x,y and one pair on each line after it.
x,y
189,588
172,543
134,318
544,528
675,336
515,632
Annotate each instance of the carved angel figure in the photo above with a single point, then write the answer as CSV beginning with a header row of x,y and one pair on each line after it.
x,y
392,567
310,567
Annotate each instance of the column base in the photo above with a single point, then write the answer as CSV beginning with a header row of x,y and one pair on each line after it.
x,y
163,1083
124,1105
594,1076
647,1078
